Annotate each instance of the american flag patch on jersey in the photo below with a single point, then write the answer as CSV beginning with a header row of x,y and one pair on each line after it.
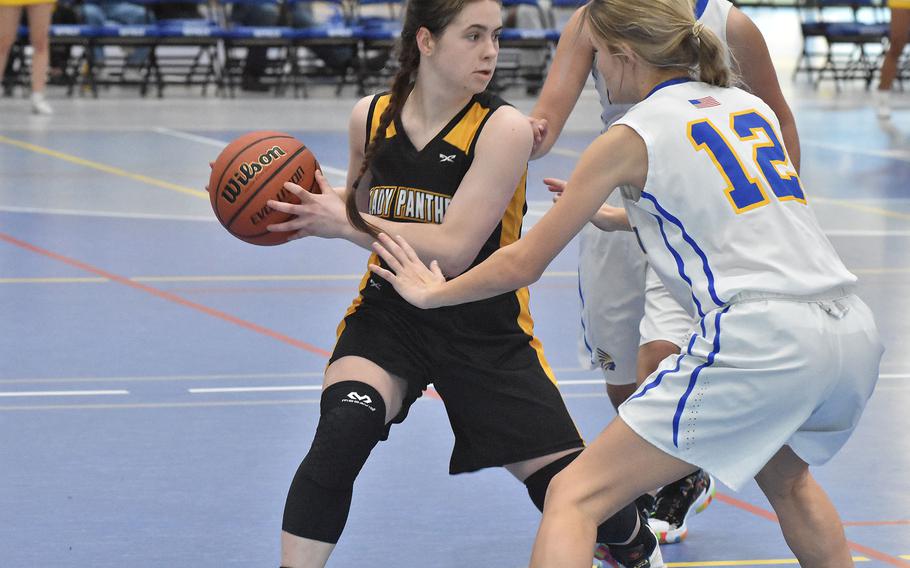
x,y
704,102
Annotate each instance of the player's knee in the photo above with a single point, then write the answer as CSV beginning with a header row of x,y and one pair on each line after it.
x,y
539,481
783,482
351,423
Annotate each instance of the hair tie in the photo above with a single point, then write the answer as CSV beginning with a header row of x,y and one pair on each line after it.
x,y
697,27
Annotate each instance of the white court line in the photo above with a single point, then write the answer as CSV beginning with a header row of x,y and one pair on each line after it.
x,y
849,233
155,378
533,211
62,393
111,214
221,144
254,389
218,390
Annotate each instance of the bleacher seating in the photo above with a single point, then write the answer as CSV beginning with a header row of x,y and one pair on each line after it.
x,y
200,46
841,39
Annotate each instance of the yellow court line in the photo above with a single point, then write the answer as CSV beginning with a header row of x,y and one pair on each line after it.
x,y
770,562
866,208
104,167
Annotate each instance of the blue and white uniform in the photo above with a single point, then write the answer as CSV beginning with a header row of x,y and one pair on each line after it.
x,y
623,304
782,352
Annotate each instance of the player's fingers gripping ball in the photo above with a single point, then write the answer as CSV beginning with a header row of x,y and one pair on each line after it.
x,y
253,169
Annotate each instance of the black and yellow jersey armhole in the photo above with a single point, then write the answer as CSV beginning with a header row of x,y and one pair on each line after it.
x,y
480,126
470,122
377,107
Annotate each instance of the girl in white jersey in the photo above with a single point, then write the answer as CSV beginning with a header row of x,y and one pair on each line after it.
x,y
630,329
777,371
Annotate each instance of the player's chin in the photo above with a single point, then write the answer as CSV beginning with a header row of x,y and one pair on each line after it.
x,y
480,81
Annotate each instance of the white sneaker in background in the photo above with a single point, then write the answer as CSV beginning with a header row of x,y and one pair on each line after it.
x,y
882,100
40,104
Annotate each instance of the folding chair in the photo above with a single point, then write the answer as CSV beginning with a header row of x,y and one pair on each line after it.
x,y
854,32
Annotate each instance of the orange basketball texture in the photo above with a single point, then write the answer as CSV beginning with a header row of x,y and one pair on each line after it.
x,y
253,169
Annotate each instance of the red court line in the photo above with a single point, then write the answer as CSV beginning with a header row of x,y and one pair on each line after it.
x,y
768,515
167,296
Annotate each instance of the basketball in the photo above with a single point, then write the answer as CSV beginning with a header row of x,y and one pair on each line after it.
x,y
253,169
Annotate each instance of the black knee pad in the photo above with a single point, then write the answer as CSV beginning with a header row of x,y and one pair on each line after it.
x,y
351,422
538,481
617,528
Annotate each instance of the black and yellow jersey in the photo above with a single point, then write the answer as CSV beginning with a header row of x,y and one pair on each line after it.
x,y
412,186
482,356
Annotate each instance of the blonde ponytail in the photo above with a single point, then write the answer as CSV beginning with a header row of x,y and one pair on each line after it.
x,y
664,33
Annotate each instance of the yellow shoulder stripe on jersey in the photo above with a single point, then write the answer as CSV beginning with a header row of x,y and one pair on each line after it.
x,y
462,134
381,104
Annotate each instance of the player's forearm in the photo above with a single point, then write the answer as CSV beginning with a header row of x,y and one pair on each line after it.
x,y
502,272
791,140
430,241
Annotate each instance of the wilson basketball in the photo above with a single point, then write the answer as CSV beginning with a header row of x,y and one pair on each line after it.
x,y
253,169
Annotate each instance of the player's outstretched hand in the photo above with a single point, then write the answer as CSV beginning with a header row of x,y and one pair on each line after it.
x,y
609,218
409,275
318,214
539,127
556,186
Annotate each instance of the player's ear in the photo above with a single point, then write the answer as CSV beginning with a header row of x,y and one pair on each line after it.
x,y
426,43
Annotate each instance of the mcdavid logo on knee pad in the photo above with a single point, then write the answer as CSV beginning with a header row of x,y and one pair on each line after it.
x,y
361,399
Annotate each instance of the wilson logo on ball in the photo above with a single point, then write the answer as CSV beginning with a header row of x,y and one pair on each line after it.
x,y
247,172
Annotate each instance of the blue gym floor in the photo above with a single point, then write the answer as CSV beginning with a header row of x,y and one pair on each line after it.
x,y
159,379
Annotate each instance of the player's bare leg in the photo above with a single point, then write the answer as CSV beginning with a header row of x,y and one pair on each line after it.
x,y
651,354
299,552
594,487
619,393
808,519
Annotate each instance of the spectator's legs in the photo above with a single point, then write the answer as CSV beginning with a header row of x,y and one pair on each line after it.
x,y
39,23
134,15
256,57
9,27
899,29
93,15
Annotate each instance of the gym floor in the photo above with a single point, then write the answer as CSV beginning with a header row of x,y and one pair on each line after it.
x,y
159,379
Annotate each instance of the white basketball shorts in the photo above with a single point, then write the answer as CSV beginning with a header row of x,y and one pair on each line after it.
x,y
616,317
759,374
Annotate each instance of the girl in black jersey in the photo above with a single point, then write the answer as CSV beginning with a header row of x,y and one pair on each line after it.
x,y
442,162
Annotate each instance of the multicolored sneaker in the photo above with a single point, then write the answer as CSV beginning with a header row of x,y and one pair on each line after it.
x,y
679,501
602,557
643,552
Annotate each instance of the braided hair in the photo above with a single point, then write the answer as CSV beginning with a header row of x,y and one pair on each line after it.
x,y
435,16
